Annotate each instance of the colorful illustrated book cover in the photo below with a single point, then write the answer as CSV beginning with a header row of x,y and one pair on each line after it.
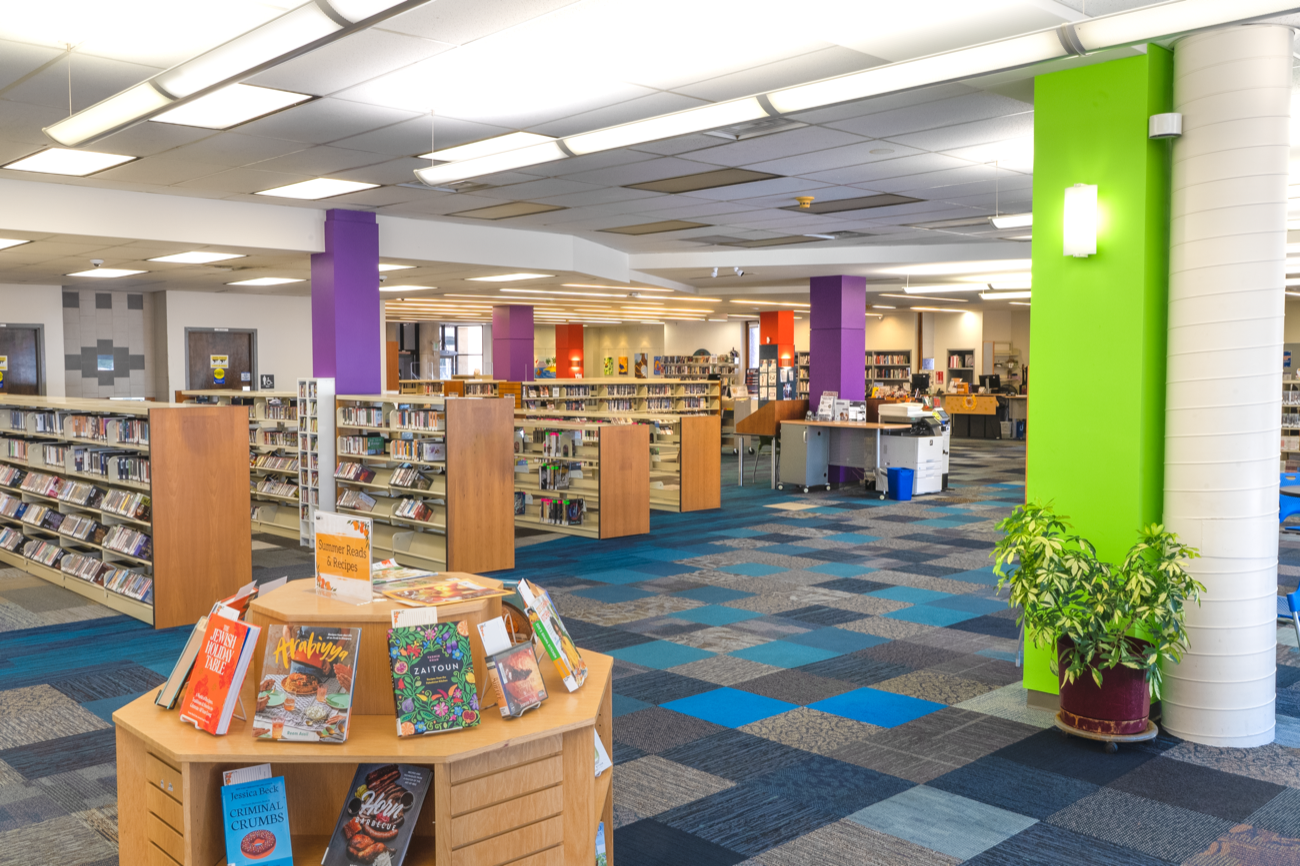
x,y
520,679
379,816
549,630
305,695
389,572
601,857
218,674
439,590
433,678
255,816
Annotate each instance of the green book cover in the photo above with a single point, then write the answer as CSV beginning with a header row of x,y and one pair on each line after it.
x,y
433,678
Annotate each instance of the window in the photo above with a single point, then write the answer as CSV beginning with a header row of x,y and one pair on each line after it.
x,y
752,360
460,350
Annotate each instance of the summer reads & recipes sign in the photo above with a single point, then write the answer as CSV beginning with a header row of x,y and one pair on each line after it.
x,y
343,557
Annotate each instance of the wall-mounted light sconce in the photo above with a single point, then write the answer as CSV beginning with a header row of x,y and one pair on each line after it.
x,y
1081,220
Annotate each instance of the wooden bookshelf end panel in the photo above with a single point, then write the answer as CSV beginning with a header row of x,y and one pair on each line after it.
x,y
624,480
480,485
701,460
201,509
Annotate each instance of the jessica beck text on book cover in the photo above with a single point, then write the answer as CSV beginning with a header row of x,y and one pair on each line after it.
x,y
256,821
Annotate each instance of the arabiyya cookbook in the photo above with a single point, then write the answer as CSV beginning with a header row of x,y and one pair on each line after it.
x,y
433,678
305,695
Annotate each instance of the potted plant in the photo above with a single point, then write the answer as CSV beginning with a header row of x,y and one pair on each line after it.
x,y
1113,627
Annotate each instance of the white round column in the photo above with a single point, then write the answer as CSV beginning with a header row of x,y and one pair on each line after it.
x,y
1223,402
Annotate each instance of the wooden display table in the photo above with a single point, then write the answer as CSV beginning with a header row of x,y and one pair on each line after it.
x,y
519,791
969,404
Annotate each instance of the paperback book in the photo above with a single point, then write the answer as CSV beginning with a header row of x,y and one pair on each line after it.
x,y
437,589
549,631
255,816
433,678
379,816
305,695
520,679
218,674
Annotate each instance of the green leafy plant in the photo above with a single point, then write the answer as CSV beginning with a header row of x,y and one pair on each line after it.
x,y
1130,615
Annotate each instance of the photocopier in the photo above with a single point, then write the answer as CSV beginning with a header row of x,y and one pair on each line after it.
x,y
923,448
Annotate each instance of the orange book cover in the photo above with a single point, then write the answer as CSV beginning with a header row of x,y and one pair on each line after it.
x,y
218,674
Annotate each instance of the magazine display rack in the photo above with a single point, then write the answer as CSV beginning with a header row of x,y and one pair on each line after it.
x,y
273,454
509,790
190,462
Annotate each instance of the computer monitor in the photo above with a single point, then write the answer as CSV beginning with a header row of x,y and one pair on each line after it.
x,y
920,381
993,383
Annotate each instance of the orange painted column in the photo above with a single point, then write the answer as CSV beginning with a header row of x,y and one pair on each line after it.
x,y
568,352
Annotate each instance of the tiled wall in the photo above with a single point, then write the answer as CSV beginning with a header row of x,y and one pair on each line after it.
x,y
108,344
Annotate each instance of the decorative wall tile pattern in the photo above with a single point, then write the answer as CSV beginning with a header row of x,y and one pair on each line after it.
x,y
108,344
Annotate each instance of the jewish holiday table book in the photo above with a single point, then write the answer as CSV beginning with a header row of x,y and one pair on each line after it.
x,y
255,816
379,815
550,632
433,678
305,695
218,674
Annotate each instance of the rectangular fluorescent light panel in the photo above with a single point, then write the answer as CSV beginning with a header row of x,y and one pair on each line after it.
x,y
1080,235
486,147
654,228
105,273
534,154
1013,220
197,257
923,298
6,243
74,163
507,210
506,278
703,180
935,290
266,281
667,126
387,267
865,202
321,187
1005,296
230,106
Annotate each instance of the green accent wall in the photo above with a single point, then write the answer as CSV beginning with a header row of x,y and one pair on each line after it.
x,y
1098,325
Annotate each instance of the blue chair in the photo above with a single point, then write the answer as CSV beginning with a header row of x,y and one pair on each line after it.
x,y
1288,607
1288,506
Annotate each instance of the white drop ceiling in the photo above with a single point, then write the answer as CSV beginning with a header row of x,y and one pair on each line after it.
x,y
554,67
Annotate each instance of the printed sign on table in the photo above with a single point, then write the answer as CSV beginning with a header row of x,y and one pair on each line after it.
x,y
343,557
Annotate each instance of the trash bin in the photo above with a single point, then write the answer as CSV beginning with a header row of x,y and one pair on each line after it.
x,y
900,483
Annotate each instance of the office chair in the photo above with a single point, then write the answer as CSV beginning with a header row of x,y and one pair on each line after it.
x,y
1288,506
1288,607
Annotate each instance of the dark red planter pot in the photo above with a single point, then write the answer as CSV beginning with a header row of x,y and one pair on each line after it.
x,y
1119,706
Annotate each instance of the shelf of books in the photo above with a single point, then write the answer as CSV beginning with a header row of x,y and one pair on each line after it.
x,y
588,477
433,473
803,362
316,442
637,398
890,367
1290,424
699,367
134,505
961,365
686,463
273,454
431,387
481,739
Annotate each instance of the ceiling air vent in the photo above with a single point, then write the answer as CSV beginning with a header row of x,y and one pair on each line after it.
x,y
754,128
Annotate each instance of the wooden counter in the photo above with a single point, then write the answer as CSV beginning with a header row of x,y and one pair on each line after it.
x,y
973,404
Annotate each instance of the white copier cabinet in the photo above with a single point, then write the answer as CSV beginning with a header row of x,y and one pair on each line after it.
x,y
926,456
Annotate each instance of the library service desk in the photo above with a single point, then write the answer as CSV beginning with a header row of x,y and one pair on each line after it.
x,y
520,791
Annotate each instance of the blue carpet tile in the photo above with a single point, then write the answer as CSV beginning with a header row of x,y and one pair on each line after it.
x,y
827,685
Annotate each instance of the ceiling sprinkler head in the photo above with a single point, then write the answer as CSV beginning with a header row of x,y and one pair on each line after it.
x,y
805,201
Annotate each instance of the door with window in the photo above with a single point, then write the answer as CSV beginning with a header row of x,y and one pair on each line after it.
x,y
219,358
20,360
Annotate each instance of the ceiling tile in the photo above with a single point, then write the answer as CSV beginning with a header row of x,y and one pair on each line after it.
x,y
348,62
811,66
590,162
392,171
412,137
627,111
237,148
325,120
806,165
462,21
160,170
147,139
936,184
680,144
599,195
893,166
93,79
763,188
887,102
929,115
969,134
539,189
18,59
381,197
320,161
245,180
641,172
776,146
21,121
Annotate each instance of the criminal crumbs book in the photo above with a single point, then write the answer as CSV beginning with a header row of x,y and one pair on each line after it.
x,y
379,815
219,670
255,816
433,678
305,695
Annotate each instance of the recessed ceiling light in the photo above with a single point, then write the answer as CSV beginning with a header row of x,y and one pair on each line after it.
x,y
61,160
487,147
704,180
1017,304
936,290
865,202
229,106
922,298
1013,220
266,281
505,278
615,288
406,288
936,310
882,307
507,210
6,243
773,303
386,267
105,273
321,187
197,257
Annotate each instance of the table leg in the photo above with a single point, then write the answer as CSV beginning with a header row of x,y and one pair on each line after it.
x,y
740,462
774,447
875,470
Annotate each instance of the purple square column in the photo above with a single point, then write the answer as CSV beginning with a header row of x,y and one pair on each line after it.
x,y
345,307
512,343
837,343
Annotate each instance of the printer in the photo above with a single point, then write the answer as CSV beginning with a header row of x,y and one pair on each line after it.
x,y
923,447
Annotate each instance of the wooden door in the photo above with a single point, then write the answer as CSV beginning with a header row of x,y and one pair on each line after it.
x,y
207,351
20,370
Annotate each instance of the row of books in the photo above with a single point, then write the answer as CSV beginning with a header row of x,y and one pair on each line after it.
x,y
112,464
11,507
620,390
362,446
11,539
355,500
882,359
133,431
275,461
277,409
128,503
47,553
87,427
276,438
619,406
557,405
557,476
11,476
54,455
42,422
348,470
129,583
81,493
413,509
409,478
560,512
659,404
42,517
82,528
16,449
959,360
421,450
42,485
277,487
361,416
429,420
132,542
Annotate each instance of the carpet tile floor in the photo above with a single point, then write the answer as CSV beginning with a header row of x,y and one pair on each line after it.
x,y
799,681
